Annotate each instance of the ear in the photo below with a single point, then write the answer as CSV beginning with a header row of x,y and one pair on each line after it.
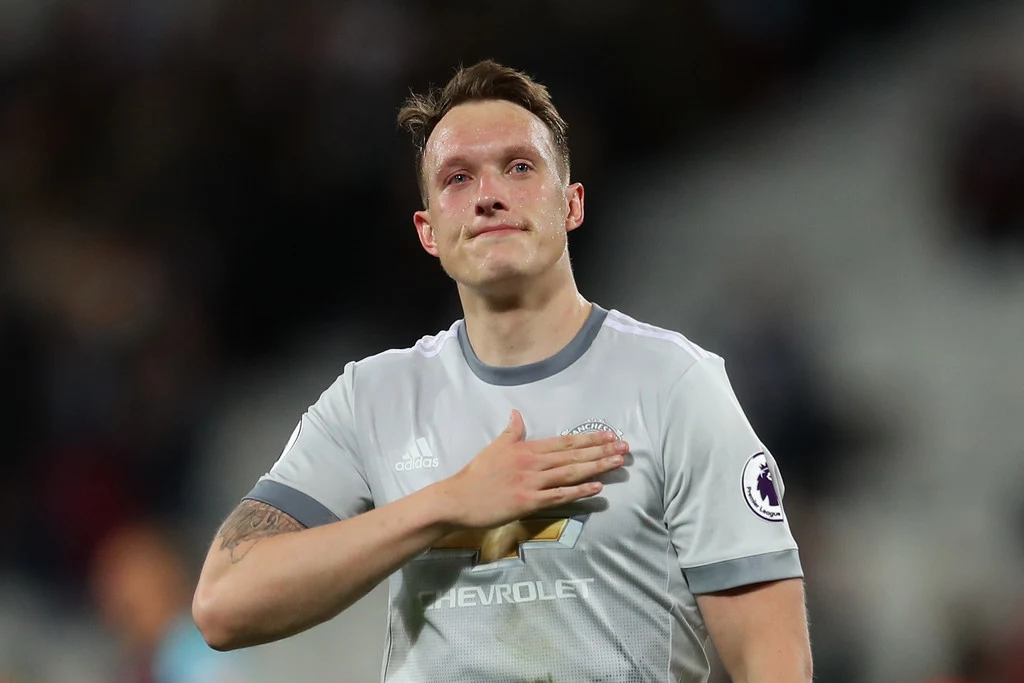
x,y
574,217
421,219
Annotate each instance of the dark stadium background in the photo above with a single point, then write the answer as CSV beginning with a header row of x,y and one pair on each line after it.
x,y
194,193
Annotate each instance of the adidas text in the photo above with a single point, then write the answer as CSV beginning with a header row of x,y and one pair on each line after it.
x,y
416,464
418,457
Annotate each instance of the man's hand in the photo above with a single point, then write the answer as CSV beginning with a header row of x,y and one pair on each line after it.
x,y
512,478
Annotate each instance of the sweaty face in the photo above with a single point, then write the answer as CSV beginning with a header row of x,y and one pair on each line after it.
x,y
499,209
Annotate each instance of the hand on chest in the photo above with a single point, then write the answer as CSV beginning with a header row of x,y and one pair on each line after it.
x,y
439,437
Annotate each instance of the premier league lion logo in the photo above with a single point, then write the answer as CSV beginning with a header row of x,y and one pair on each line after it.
x,y
759,489
766,487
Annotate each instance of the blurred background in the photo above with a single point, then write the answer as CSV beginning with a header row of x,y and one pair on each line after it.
x,y
205,212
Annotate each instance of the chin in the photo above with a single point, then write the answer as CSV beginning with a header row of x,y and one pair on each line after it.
x,y
504,280
496,268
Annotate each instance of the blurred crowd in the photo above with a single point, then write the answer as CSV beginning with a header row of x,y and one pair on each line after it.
x,y
986,161
187,188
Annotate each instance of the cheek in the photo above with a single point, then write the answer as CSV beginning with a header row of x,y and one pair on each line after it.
x,y
551,213
452,216
550,203
455,203
446,235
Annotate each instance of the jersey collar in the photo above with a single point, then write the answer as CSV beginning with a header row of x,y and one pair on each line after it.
x,y
534,372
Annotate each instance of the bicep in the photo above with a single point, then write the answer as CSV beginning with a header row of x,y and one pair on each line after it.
x,y
247,525
761,626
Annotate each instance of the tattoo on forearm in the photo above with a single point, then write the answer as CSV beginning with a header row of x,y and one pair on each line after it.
x,y
250,523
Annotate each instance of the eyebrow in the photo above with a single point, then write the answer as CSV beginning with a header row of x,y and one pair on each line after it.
x,y
511,152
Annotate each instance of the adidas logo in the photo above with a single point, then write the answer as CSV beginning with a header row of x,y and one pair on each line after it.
x,y
418,457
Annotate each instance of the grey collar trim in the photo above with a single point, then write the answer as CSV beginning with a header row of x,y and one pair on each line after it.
x,y
534,372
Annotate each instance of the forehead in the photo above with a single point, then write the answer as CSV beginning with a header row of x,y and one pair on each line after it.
x,y
482,127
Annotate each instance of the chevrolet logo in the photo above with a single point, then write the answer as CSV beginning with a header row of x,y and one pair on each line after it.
x,y
506,544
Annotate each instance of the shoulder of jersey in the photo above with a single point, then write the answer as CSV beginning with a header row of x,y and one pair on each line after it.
x,y
668,348
427,347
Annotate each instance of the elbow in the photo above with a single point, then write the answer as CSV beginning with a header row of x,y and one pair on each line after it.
x,y
213,620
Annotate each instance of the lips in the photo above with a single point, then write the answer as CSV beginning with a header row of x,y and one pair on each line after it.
x,y
497,229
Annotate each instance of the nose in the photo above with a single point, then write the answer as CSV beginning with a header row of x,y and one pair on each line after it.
x,y
491,198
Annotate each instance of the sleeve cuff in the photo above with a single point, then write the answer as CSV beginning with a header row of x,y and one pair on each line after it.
x,y
306,510
743,571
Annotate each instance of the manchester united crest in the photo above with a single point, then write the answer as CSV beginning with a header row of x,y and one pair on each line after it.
x,y
592,425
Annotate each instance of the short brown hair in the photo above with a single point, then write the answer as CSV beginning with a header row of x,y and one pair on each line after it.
x,y
486,80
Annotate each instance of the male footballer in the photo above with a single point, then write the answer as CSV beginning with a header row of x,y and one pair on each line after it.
x,y
554,491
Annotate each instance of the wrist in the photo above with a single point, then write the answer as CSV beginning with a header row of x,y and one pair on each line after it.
x,y
440,507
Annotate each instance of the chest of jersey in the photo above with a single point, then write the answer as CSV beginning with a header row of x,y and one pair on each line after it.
x,y
423,439
419,438
521,584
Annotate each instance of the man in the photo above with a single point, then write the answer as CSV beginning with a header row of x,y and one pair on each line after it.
x,y
556,492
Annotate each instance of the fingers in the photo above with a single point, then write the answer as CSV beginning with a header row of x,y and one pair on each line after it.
x,y
579,472
568,494
568,442
516,431
580,455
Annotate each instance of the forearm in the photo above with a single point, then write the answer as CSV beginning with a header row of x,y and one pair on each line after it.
x,y
766,665
256,590
760,631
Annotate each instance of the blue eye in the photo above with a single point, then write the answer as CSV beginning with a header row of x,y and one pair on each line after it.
x,y
458,179
521,168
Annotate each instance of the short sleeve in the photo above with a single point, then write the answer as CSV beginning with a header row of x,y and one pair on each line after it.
x,y
723,491
319,477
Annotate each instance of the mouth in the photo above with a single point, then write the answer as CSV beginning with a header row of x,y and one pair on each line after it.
x,y
496,230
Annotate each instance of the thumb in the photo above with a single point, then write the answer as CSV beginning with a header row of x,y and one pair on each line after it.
x,y
516,429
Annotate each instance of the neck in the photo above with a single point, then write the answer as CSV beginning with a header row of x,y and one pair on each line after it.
x,y
526,327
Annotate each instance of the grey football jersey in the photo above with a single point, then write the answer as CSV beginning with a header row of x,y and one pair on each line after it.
x,y
601,590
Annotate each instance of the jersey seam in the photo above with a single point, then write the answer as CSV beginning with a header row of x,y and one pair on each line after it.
x,y
659,334
671,622
352,416
664,425
322,425
361,469
444,336
391,640
355,432
664,486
